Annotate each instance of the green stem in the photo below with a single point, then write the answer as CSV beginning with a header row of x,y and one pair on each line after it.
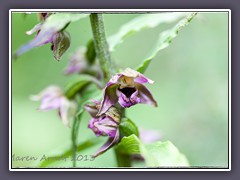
x,y
108,69
101,45
75,128
123,160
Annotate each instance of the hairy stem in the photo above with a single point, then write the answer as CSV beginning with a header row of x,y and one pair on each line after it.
x,y
101,45
107,67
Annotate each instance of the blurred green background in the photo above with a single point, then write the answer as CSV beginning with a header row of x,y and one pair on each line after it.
x,y
191,88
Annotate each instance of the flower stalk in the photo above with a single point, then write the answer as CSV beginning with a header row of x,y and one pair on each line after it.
x,y
123,160
101,47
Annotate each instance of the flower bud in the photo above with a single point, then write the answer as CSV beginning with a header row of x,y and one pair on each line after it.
x,y
60,43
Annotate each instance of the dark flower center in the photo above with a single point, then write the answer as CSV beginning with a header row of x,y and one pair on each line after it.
x,y
128,91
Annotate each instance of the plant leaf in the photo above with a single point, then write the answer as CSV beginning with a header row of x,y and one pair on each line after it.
x,y
164,40
142,22
54,23
164,154
157,154
90,52
68,153
78,84
75,86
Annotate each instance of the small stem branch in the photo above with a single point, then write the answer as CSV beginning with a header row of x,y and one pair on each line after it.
x,y
75,128
101,45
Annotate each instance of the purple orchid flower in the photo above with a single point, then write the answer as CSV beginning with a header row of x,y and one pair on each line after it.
x,y
53,98
127,89
104,125
60,40
77,63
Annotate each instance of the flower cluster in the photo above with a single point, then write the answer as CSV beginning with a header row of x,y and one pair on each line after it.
x,y
53,98
125,89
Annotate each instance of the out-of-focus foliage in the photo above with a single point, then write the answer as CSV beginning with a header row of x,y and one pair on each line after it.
x,y
165,38
144,21
158,154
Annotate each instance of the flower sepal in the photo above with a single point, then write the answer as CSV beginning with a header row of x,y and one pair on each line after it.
x,y
60,44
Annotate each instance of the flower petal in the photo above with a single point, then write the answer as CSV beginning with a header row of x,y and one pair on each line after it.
x,y
49,91
110,98
126,102
138,77
130,73
107,126
77,62
145,95
50,98
50,102
91,125
143,79
40,39
34,29
67,110
108,144
91,109
114,79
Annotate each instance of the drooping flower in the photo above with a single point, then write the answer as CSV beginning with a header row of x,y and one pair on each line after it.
x,y
127,88
104,125
79,63
53,98
60,40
